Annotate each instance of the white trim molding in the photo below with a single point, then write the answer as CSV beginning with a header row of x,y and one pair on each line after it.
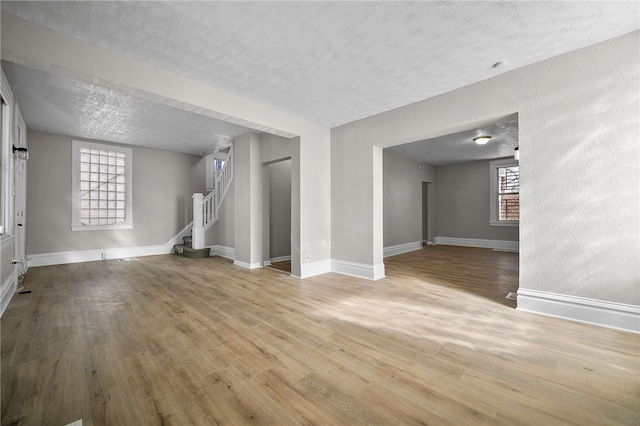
x,y
591,311
246,265
5,240
402,248
280,259
8,287
222,251
311,269
6,156
8,290
359,270
64,257
474,242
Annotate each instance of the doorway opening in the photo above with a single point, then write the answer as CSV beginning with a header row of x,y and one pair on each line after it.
x,y
428,213
278,186
450,176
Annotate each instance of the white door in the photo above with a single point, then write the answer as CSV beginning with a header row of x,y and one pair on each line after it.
x,y
20,192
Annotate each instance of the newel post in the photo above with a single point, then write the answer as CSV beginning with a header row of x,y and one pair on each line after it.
x,y
197,235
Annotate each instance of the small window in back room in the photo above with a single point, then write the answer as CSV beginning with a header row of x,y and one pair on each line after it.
x,y
505,193
509,193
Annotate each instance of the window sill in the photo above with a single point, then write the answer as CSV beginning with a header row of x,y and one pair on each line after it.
x,y
100,227
511,223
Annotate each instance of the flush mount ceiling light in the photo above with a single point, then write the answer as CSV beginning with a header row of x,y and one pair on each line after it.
x,y
481,140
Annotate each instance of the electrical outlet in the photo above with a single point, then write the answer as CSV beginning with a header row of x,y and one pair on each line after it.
x,y
104,256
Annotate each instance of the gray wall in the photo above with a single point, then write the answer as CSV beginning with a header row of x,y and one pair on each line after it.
x,y
578,120
269,150
280,208
402,183
248,199
276,154
458,202
222,232
429,218
462,203
163,184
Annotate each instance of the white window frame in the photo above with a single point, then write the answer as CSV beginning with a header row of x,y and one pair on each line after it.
x,y
211,172
75,173
6,160
493,194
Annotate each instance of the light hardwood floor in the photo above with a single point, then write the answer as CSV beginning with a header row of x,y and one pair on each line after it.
x,y
169,340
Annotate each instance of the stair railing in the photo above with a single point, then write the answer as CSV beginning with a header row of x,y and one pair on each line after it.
x,y
205,209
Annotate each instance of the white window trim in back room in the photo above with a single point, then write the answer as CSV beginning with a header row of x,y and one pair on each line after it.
x,y
493,194
75,168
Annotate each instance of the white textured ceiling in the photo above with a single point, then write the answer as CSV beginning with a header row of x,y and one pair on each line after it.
x,y
335,62
460,147
58,105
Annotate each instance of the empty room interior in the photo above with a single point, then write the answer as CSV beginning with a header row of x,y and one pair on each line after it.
x,y
327,213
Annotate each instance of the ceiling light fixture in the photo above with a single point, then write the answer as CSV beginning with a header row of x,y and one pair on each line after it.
x,y
481,140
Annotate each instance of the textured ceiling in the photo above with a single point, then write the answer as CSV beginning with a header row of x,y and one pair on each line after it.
x,y
460,147
68,107
335,62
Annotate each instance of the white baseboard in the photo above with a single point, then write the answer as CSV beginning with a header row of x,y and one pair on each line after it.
x,y
402,248
513,246
311,269
591,311
64,257
360,270
7,291
61,258
222,251
246,265
280,258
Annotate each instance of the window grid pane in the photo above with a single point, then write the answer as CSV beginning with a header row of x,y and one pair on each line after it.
x,y
102,179
509,193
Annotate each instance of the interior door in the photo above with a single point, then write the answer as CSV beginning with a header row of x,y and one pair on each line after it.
x,y
20,173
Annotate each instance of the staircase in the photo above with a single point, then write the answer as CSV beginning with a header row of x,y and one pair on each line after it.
x,y
186,249
205,212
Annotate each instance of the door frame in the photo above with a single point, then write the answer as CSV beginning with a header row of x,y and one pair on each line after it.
x,y
20,194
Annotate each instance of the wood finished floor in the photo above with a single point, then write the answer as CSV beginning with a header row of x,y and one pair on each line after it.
x,y
169,340
284,266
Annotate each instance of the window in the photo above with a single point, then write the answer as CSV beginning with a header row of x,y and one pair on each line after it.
x,y
6,160
214,166
2,160
217,165
505,193
101,187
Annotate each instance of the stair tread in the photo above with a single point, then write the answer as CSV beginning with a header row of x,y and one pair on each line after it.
x,y
188,247
188,251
